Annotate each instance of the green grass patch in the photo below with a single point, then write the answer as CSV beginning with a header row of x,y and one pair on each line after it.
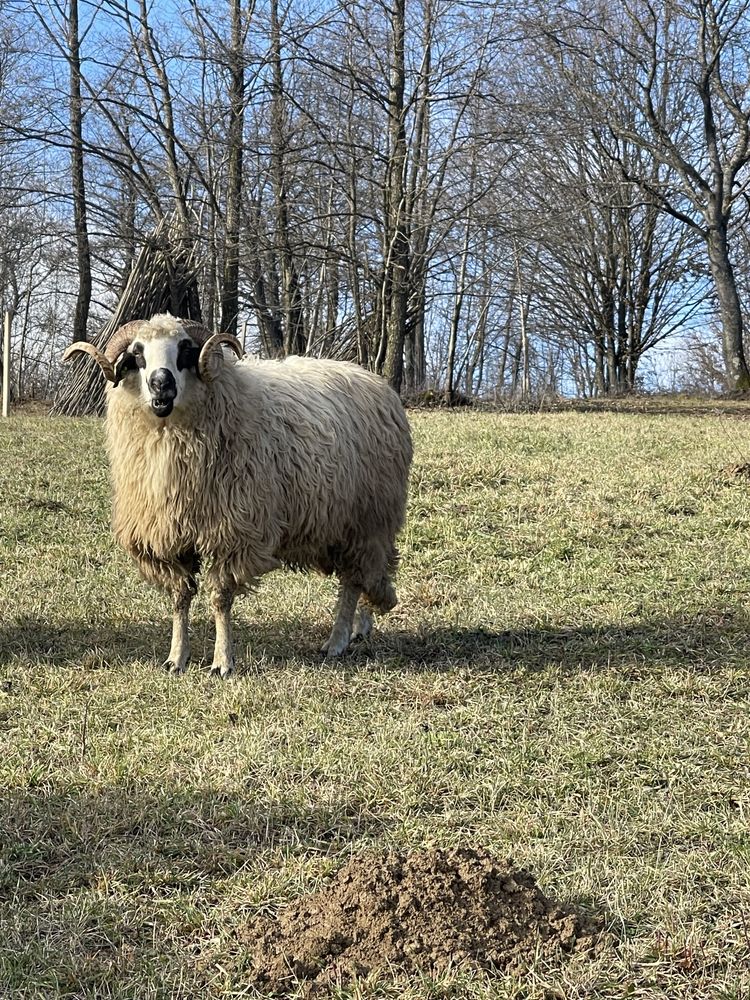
x,y
565,681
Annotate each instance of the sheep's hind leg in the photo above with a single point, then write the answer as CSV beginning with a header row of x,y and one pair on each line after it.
x,y
179,652
362,622
341,633
223,653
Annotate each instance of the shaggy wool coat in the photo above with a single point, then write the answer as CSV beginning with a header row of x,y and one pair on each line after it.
x,y
297,462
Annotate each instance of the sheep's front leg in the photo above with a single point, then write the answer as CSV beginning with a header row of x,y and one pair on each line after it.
x,y
179,653
221,602
346,605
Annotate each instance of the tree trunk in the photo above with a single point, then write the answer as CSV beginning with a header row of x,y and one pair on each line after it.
x,y
164,109
526,384
503,362
611,362
476,360
524,351
458,302
230,283
418,212
80,223
294,335
599,378
127,232
730,310
516,369
397,244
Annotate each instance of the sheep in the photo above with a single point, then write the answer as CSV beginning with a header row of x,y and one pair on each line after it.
x,y
235,468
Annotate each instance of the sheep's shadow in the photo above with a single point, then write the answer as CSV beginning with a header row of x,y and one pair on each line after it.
x,y
79,644
121,880
137,861
61,839
708,636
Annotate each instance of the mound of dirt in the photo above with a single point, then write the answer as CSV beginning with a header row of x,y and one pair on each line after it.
x,y
424,912
737,471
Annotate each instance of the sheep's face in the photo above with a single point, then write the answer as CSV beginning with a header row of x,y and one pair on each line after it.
x,y
161,361
161,369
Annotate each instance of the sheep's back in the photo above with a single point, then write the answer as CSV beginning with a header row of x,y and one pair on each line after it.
x,y
340,446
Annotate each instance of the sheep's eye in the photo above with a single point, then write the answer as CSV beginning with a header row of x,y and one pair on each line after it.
x,y
187,355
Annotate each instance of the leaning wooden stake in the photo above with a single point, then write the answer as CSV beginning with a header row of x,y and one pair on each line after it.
x,y
6,363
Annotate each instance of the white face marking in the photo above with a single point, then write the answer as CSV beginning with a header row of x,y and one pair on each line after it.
x,y
160,355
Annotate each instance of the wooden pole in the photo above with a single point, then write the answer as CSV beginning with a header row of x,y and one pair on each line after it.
x,y
6,363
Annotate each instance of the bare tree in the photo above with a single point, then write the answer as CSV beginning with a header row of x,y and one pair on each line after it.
x,y
668,77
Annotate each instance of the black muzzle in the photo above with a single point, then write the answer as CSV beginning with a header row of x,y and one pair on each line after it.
x,y
163,389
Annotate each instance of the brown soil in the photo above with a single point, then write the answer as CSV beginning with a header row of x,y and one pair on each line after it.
x,y
737,471
424,912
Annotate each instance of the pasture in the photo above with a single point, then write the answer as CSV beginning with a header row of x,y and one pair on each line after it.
x,y
565,681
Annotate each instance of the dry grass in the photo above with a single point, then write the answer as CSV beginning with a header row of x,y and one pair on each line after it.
x,y
565,681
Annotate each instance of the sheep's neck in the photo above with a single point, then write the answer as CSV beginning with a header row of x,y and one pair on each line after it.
x,y
157,471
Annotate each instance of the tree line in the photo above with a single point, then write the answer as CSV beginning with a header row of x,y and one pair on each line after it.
x,y
475,198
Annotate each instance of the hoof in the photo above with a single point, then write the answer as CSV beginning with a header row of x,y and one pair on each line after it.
x,y
333,647
222,670
174,668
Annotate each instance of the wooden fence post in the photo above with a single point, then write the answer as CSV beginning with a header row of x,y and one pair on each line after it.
x,y
6,363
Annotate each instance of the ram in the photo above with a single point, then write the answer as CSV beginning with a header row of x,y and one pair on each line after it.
x,y
234,468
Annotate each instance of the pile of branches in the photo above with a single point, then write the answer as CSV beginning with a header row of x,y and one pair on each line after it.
x,y
163,279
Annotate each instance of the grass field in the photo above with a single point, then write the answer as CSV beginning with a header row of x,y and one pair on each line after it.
x,y
565,681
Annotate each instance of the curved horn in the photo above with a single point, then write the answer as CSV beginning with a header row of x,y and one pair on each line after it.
x,y
197,331
121,338
83,347
213,342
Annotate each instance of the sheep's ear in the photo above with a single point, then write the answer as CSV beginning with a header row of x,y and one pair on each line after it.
x,y
124,364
